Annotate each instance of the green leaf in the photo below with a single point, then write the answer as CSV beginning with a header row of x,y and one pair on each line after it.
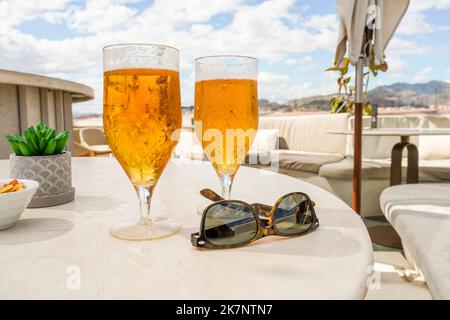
x,y
32,138
24,149
61,142
33,150
367,109
15,148
20,138
61,134
51,134
50,148
42,127
42,144
11,138
334,68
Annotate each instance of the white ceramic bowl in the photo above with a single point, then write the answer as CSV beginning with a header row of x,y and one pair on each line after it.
x,y
12,204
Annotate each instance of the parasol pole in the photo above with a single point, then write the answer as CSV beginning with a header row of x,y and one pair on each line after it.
x,y
359,73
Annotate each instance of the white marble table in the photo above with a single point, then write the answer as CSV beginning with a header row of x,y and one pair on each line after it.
x,y
67,252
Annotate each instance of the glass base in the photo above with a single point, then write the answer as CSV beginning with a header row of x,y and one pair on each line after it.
x,y
157,228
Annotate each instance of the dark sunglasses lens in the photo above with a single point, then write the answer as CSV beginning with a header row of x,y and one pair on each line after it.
x,y
293,214
230,223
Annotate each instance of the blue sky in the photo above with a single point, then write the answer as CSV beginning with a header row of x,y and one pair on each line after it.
x,y
293,40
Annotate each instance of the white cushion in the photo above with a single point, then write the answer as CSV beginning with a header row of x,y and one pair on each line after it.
x,y
371,169
309,133
265,142
302,160
435,147
420,213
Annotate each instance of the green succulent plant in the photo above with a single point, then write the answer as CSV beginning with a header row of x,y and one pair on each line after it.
x,y
38,141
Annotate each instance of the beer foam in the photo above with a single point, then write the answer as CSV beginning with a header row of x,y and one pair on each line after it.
x,y
241,68
136,56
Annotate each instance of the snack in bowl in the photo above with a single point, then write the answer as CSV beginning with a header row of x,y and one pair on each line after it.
x,y
11,186
15,195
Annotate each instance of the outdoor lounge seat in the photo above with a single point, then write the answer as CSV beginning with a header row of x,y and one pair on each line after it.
x,y
94,140
305,149
78,149
420,213
303,135
303,160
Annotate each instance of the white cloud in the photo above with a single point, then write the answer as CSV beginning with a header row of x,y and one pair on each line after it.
x,y
321,22
268,77
257,30
302,61
398,46
396,66
422,75
422,5
14,12
414,21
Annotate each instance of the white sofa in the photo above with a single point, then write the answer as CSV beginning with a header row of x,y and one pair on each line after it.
x,y
306,151
421,216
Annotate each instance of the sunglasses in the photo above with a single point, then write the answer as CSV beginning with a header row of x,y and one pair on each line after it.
x,y
234,223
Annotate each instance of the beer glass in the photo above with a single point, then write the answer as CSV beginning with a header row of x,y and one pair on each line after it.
x,y
141,119
226,112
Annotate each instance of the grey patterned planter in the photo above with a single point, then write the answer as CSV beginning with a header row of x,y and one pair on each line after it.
x,y
54,174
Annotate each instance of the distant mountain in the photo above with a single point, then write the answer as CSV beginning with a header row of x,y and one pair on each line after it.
x,y
266,106
419,95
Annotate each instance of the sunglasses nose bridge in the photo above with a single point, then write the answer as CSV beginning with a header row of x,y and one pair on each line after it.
x,y
266,226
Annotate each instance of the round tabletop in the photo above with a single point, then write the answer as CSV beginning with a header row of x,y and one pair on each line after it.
x,y
66,252
406,132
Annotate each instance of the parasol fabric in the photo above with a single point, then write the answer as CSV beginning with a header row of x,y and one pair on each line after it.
x,y
382,16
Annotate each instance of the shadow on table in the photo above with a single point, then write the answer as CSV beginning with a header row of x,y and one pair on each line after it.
x,y
35,230
324,242
83,203
327,243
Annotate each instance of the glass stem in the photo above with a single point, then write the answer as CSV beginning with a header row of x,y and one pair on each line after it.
x,y
145,196
226,181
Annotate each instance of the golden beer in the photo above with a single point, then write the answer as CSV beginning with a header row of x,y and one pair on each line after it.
x,y
141,115
226,115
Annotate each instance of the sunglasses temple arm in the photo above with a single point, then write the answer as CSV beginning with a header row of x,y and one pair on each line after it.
x,y
210,195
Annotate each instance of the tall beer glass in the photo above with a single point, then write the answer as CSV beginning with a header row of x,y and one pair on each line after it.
x,y
226,112
141,118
